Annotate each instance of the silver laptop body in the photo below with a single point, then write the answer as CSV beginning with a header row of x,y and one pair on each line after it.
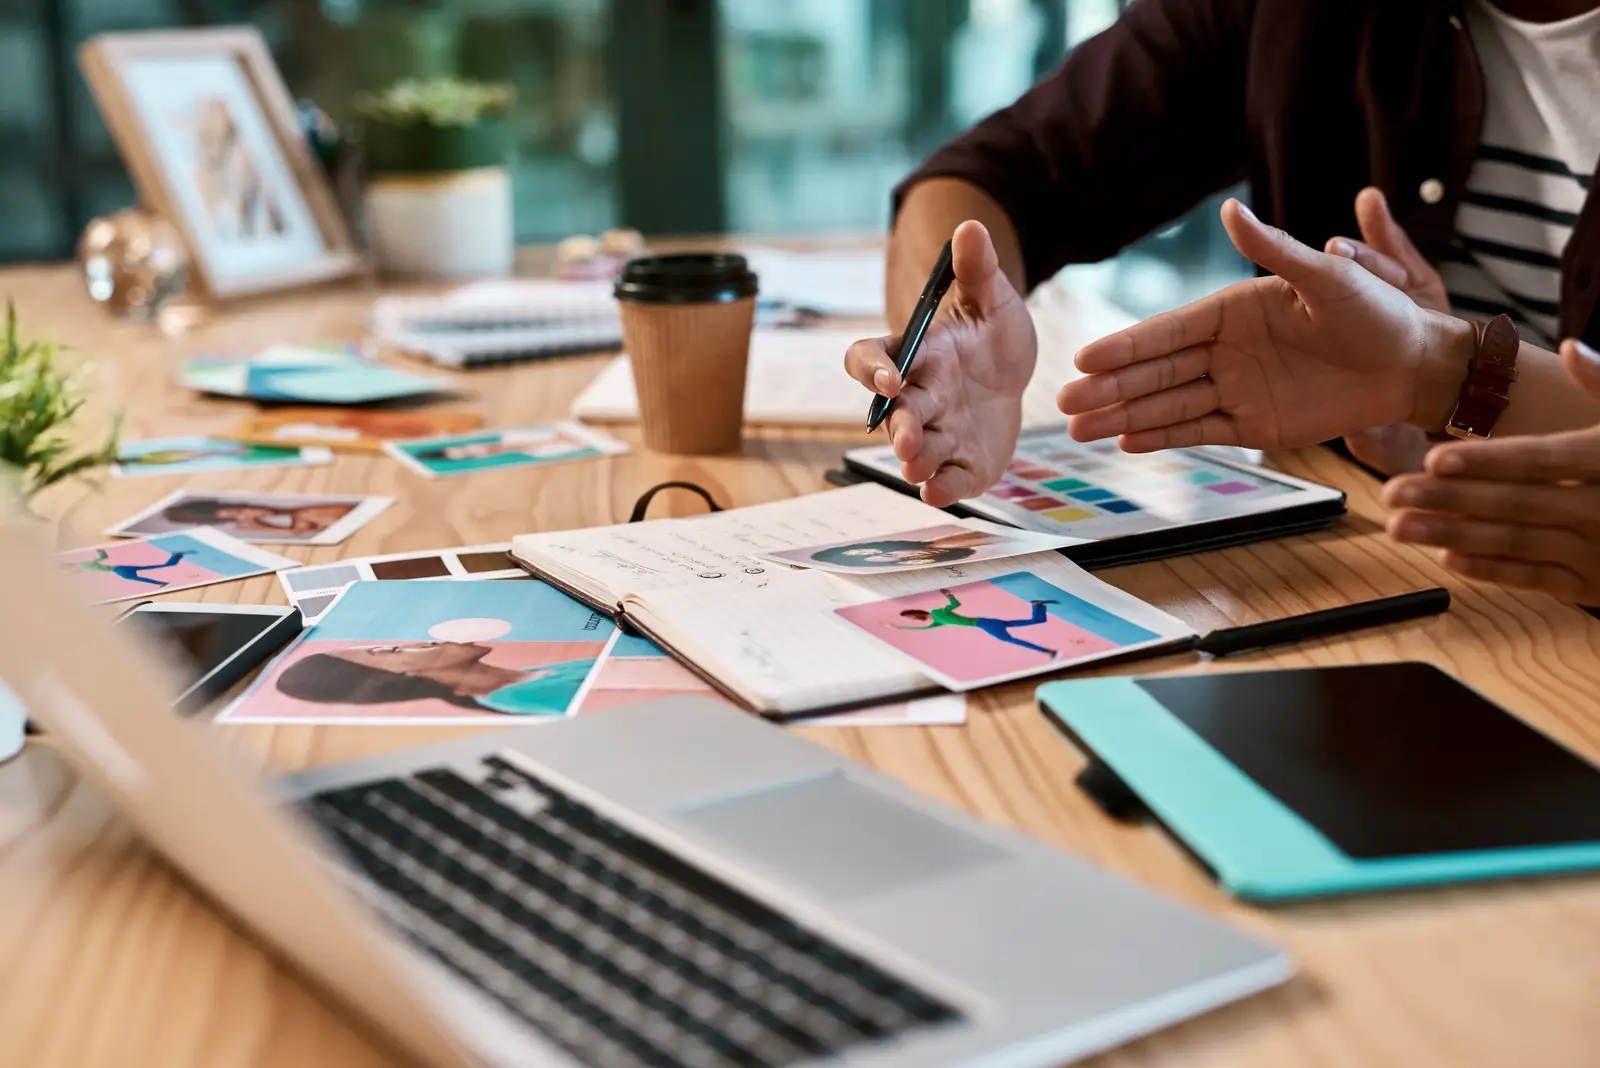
x,y
672,883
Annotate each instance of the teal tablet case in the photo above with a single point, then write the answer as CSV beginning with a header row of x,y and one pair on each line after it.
x,y
1259,848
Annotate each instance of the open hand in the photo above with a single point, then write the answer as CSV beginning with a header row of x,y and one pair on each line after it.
x,y
1323,349
1386,250
955,423
1520,511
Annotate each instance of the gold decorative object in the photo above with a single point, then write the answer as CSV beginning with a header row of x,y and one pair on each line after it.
x,y
589,258
132,262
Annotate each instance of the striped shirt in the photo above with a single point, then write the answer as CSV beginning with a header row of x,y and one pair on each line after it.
x,y
1535,165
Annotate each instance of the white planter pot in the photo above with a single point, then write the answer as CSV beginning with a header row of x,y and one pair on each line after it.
x,y
453,225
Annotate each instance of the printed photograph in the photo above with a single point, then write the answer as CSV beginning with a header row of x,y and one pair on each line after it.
x,y
463,454
353,429
258,517
1003,628
184,455
910,550
127,569
223,163
433,653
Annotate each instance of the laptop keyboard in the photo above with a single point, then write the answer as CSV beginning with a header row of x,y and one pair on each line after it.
x,y
610,947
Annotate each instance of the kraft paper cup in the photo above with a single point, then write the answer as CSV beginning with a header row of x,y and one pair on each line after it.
x,y
686,323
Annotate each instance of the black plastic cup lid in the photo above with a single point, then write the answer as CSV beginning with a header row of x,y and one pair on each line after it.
x,y
691,278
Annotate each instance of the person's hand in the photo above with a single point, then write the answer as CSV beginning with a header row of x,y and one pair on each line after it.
x,y
1386,250
1520,511
955,423
1323,349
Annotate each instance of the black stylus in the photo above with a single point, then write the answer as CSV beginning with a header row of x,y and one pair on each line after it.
x,y
938,282
1339,620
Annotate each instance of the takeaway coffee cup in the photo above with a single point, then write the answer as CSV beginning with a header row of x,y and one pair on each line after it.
x,y
686,325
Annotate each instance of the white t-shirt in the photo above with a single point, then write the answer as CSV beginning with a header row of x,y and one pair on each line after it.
x,y
1536,161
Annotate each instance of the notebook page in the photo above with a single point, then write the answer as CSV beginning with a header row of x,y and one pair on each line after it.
x,y
777,645
780,646
796,377
719,550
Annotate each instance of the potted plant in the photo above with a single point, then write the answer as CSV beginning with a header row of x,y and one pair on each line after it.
x,y
438,191
38,402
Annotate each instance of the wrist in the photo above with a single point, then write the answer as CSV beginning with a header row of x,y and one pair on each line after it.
x,y
1449,345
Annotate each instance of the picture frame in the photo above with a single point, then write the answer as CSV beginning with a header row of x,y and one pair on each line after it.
x,y
208,132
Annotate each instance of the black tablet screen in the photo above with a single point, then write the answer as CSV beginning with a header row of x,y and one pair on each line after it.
x,y
1392,759
205,639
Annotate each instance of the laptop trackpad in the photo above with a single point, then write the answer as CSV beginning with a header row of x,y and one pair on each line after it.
x,y
838,838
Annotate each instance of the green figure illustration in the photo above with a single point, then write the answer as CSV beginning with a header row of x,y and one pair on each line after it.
x,y
131,572
948,615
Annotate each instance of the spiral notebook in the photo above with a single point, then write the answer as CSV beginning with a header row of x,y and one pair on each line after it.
x,y
781,640
500,322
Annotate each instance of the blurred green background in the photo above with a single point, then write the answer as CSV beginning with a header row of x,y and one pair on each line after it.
x,y
672,116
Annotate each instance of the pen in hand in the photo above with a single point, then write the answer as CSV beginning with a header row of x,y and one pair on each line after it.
x,y
939,281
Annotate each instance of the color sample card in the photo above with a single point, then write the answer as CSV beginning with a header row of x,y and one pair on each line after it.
x,y
909,550
349,429
307,375
124,570
391,653
634,670
464,454
314,589
187,455
1003,628
271,518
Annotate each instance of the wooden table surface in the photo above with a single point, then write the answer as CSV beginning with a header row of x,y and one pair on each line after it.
x,y
107,959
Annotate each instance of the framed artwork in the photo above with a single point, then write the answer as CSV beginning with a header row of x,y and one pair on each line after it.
x,y
209,135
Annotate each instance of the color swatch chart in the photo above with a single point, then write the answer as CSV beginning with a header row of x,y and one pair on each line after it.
x,y
1096,490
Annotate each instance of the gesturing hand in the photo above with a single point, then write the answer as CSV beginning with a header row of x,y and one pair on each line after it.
x,y
1520,511
1387,252
1321,350
955,424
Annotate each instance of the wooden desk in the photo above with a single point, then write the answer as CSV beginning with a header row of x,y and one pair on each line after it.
x,y
106,959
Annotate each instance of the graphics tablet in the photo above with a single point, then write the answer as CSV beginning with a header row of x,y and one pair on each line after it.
x,y
1311,782
1129,507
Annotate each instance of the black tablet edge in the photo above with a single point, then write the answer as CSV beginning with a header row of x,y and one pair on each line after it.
x,y
257,651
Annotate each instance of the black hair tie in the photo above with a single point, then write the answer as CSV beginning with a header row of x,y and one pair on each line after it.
x,y
642,506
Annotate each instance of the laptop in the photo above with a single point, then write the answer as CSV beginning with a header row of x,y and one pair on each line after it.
x,y
669,884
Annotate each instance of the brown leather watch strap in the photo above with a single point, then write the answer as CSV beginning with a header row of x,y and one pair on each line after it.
x,y
1487,391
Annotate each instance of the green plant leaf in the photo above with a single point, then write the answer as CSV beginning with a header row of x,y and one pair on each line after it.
x,y
38,402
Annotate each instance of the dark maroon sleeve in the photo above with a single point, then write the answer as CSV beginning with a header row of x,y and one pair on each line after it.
x,y
1135,127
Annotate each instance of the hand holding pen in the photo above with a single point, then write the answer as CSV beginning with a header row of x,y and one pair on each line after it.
x,y
957,411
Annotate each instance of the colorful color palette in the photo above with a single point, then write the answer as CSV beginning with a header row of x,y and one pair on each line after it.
x,y
1098,490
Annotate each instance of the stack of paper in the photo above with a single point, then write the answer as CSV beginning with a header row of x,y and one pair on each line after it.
x,y
796,378
848,283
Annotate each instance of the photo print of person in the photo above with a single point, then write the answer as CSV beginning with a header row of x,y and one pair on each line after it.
x,y
433,653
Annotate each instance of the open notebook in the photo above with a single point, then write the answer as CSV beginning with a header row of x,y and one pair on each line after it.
x,y
768,634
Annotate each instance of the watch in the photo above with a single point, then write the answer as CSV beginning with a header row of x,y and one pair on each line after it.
x,y
1487,391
